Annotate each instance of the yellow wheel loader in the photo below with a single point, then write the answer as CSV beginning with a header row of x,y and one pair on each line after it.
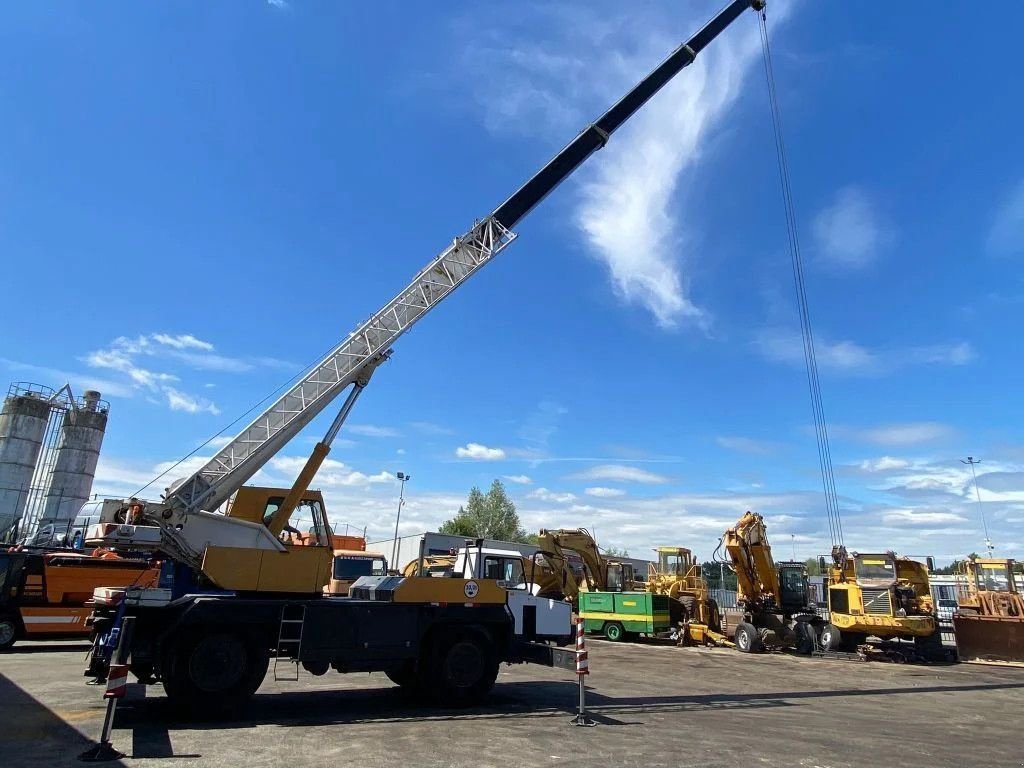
x,y
678,575
989,619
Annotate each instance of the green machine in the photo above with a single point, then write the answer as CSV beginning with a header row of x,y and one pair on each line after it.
x,y
614,614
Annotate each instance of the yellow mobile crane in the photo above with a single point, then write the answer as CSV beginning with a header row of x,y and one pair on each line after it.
x,y
232,593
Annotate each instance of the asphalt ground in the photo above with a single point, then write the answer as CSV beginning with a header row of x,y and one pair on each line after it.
x,y
654,705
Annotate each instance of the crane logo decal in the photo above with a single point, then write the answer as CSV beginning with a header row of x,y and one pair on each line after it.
x,y
471,589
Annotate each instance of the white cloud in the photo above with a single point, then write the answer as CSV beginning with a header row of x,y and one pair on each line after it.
x,y
747,445
920,517
543,494
849,232
1006,237
479,452
910,433
518,479
180,401
79,381
279,4
371,430
429,428
599,492
332,473
884,464
628,208
619,473
182,341
850,358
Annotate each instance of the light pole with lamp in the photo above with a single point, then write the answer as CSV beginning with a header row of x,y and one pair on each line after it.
x,y
972,461
398,516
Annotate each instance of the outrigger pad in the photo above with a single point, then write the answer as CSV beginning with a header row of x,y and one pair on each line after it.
x,y
103,752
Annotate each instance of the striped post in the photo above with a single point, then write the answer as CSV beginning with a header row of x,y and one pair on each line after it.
x,y
117,685
582,670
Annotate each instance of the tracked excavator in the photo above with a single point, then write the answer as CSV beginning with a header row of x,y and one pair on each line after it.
x,y
989,618
600,573
232,594
773,600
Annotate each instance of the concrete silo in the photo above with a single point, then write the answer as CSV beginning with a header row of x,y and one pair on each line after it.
x,y
74,466
23,422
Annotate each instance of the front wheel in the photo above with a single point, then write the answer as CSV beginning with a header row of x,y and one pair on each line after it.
x,y
8,632
748,639
831,638
212,673
465,671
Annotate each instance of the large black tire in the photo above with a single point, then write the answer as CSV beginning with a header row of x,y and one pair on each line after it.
x,y
831,638
614,631
9,631
405,677
463,671
213,672
747,638
804,632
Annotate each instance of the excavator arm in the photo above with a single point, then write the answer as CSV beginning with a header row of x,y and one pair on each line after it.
x,y
580,541
750,556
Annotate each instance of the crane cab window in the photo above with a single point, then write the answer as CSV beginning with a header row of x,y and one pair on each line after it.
x,y
677,563
505,569
351,567
879,569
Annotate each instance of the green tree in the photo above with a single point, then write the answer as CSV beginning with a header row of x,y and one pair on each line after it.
x,y
487,516
614,552
813,567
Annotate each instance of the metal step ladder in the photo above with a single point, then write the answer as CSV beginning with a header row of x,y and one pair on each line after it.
x,y
289,641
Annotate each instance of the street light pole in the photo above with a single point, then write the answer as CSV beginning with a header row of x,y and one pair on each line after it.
x,y
398,516
792,540
972,461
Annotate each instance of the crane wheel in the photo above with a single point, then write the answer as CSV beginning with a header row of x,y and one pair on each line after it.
x,y
463,672
614,631
211,673
747,638
404,676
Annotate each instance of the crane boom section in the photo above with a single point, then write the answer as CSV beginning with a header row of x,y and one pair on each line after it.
x,y
757,578
240,459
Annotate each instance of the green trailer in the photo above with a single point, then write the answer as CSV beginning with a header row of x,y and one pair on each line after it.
x,y
614,614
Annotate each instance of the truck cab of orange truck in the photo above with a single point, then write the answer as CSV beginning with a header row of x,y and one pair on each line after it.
x,y
43,594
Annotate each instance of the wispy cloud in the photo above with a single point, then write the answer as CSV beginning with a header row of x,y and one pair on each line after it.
x,y
620,473
628,208
543,494
429,428
518,479
884,464
281,5
371,430
55,377
747,445
181,401
850,232
479,452
1006,236
847,357
909,433
599,492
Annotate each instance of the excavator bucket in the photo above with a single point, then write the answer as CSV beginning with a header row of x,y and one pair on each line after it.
x,y
982,639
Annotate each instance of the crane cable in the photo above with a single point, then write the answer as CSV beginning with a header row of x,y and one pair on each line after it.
x,y
806,332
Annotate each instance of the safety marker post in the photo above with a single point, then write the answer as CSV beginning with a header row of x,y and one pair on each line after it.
x,y
117,685
582,670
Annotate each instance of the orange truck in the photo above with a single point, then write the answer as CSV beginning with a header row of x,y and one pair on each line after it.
x,y
43,594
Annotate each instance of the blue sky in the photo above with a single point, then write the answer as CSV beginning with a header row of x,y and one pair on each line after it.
x,y
199,199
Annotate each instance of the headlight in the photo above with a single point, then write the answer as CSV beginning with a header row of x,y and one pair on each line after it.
x,y
901,613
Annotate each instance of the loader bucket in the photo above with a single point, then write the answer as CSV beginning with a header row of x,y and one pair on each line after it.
x,y
983,639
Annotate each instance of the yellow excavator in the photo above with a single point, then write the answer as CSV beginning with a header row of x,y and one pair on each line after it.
x,y
678,575
600,573
773,605
989,619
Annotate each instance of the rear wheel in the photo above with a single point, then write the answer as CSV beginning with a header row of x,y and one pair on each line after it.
x,y
614,631
8,632
465,671
804,632
213,672
747,638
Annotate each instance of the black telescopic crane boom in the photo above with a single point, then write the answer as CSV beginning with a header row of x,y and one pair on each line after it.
x,y
596,135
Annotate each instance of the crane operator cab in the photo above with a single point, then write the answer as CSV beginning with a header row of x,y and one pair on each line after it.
x,y
794,591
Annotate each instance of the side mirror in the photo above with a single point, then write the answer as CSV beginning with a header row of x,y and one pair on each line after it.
x,y
930,562
821,564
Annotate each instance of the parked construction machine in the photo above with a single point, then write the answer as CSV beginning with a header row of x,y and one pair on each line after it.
x,y
883,596
678,575
989,618
773,600
44,594
232,593
600,573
